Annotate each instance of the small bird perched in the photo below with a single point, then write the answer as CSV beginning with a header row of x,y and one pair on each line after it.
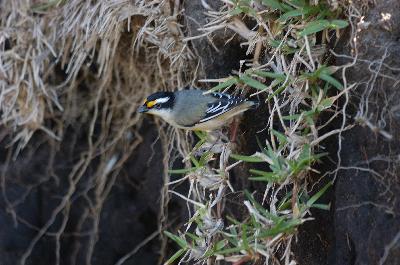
x,y
193,110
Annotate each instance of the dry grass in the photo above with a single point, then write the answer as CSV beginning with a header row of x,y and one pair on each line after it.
x,y
120,39
91,63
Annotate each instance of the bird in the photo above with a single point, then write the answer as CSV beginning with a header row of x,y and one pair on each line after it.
x,y
193,109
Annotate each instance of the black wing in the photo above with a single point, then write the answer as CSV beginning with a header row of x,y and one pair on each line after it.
x,y
223,104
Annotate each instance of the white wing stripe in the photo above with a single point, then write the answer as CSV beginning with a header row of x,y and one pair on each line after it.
x,y
215,115
218,108
221,110
226,102
213,108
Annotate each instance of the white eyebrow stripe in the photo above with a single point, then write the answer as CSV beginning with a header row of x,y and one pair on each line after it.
x,y
162,100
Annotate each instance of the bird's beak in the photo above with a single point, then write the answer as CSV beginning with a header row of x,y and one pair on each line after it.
x,y
143,109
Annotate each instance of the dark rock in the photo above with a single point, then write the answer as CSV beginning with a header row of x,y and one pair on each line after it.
x,y
367,200
217,55
129,214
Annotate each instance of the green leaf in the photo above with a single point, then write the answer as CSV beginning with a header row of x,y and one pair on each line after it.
x,y
272,75
201,135
338,24
325,103
250,159
253,83
274,43
244,237
314,27
248,10
310,120
317,195
264,176
291,117
180,241
231,81
305,153
207,156
281,137
182,171
321,206
198,144
217,247
292,13
273,4
260,172
236,11
260,208
229,250
194,161
281,227
298,3
285,205
233,220
260,145
172,259
331,80
319,25
220,245
276,92
192,236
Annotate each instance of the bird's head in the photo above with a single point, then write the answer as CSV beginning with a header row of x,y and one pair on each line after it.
x,y
158,103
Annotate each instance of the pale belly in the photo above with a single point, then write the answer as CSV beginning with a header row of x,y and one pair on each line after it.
x,y
209,125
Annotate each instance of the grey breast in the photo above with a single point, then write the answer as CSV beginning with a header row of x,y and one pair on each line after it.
x,y
190,106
